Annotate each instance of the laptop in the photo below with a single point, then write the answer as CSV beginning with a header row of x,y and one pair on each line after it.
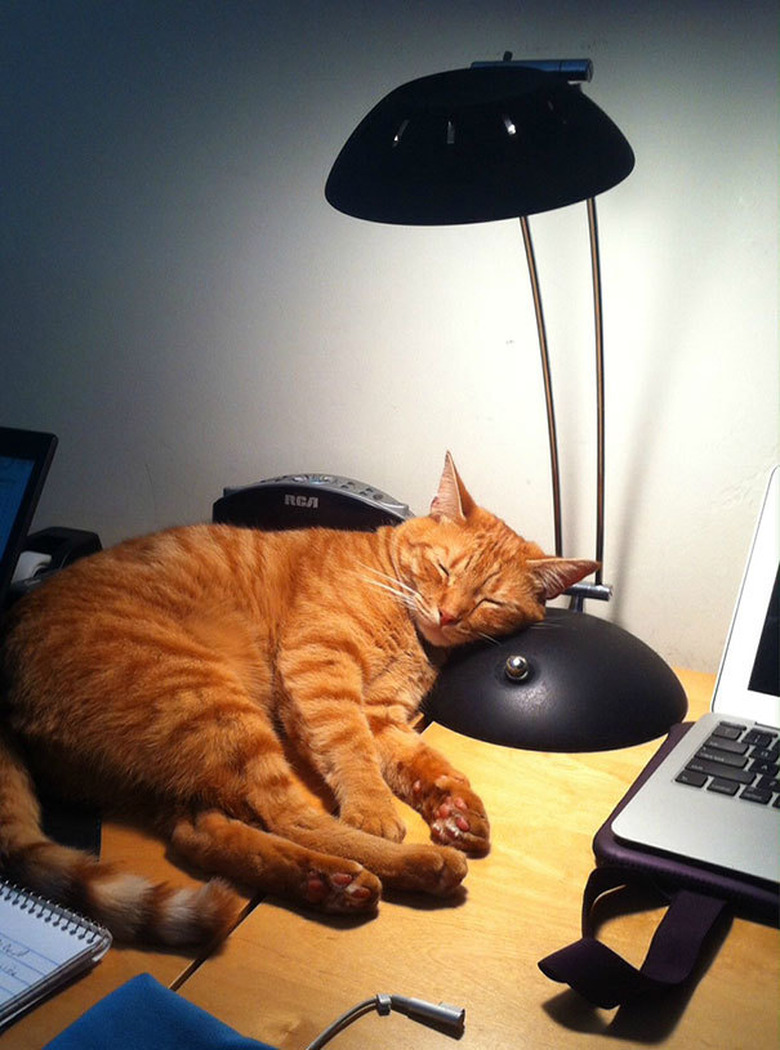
x,y
25,458
715,799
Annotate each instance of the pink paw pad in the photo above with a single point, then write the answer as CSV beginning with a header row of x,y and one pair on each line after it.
x,y
342,880
446,812
316,889
359,893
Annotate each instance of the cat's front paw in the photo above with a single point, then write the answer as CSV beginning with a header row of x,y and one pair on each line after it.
x,y
455,814
375,819
351,889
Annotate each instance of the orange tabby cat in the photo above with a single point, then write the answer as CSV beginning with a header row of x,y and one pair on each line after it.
x,y
173,670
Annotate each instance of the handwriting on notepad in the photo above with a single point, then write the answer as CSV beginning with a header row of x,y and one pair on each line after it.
x,y
13,948
42,945
20,963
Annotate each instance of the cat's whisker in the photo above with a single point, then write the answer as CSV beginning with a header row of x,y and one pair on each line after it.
x,y
408,595
386,576
404,599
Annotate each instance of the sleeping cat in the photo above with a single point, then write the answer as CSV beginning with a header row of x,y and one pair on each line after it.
x,y
176,671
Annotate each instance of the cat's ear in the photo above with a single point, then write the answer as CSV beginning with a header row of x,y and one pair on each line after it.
x,y
452,501
554,575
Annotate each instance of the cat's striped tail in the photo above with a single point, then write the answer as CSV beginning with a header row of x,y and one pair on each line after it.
x,y
132,907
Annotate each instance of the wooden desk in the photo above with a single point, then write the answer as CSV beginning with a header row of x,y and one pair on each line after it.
x,y
284,974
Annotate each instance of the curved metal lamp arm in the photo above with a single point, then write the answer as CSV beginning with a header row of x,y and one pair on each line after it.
x,y
548,392
599,327
547,377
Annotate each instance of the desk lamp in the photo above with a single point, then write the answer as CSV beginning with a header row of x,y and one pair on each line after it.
x,y
502,140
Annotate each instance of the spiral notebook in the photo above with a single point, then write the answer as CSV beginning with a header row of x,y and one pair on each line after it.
x,y
42,946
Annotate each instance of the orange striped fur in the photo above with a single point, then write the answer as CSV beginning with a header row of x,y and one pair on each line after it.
x,y
177,671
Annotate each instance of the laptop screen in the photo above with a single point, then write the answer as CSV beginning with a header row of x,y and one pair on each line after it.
x,y
749,679
765,677
25,456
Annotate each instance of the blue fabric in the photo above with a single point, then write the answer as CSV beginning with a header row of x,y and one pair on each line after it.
x,y
144,1015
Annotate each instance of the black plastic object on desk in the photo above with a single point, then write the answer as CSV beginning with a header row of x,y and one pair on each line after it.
x,y
298,501
573,682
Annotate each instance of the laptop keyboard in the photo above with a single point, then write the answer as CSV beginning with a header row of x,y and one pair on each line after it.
x,y
738,761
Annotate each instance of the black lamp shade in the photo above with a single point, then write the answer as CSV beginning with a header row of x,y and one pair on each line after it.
x,y
473,145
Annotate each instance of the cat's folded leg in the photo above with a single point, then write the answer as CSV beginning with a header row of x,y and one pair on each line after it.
x,y
325,716
422,868
291,818
424,779
376,815
222,845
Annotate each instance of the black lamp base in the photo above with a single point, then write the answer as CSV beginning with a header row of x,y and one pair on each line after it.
x,y
571,683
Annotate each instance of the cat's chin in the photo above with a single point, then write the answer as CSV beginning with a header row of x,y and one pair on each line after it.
x,y
439,637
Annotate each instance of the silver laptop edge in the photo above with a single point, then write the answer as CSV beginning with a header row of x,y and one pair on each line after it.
x,y
702,825
732,684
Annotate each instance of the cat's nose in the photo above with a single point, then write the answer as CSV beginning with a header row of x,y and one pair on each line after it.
x,y
446,617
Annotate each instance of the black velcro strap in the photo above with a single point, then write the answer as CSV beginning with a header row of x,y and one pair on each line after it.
x,y
595,971
602,977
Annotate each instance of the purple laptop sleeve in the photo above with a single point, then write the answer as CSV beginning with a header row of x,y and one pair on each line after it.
x,y
697,897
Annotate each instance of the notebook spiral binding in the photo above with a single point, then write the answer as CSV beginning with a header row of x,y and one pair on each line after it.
x,y
57,915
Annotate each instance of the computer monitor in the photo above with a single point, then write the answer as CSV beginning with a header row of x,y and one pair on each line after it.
x,y
25,457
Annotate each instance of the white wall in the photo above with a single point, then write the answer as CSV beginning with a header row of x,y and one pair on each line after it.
x,y
182,307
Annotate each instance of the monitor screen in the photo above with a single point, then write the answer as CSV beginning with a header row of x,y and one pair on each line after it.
x,y
25,456
14,479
